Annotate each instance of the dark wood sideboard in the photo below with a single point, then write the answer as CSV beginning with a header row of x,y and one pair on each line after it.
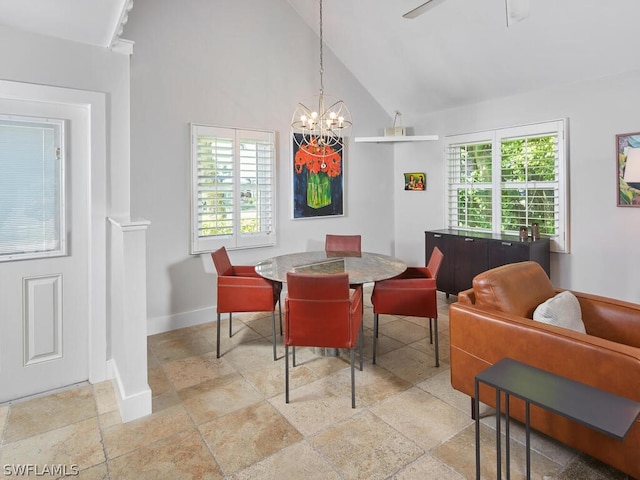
x,y
468,253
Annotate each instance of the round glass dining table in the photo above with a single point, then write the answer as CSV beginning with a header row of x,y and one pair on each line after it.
x,y
362,267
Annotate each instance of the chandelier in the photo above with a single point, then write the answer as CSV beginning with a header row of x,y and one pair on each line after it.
x,y
320,128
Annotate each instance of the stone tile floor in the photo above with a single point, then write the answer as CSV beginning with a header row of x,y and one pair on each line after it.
x,y
226,418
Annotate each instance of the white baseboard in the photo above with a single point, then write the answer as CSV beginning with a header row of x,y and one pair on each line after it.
x,y
132,406
180,320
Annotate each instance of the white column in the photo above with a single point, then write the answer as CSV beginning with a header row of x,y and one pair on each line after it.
x,y
128,316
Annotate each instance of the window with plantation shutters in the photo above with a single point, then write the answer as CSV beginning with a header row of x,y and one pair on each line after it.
x,y
233,188
503,179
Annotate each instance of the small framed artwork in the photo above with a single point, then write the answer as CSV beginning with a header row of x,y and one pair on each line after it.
x,y
415,181
628,169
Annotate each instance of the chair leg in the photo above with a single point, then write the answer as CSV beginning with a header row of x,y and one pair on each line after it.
x,y
353,380
294,355
430,331
286,374
230,329
280,312
375,335
218,338
360,342
435,323
273,331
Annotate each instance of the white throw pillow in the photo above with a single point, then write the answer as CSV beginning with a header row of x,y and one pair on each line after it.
x,y
563,310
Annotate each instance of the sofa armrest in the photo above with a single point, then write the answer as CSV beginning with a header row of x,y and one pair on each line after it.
x,y
467,297
611,319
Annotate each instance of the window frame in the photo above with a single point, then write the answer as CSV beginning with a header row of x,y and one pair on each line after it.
x,y
558,128
237,239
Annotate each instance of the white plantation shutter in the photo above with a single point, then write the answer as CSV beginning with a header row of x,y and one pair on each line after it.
x,y
233,188
502,179
32,222
256,183
470,187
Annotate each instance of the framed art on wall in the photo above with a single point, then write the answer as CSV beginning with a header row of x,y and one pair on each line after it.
x,y
318,186
415,181
628,169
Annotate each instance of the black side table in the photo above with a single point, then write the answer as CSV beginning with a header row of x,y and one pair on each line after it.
x,y
603,411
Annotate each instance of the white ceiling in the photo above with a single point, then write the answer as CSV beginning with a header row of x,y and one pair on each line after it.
x,y
459,51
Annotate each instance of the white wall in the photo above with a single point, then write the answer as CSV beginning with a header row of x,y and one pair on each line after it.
x,y
240,64
604,237
49,61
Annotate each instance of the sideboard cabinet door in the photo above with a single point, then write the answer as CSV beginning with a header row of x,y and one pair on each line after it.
x,y
471,259
502,252
445,280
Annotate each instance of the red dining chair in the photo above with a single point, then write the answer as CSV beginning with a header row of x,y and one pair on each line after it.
x,y
241,289
343,243
321,311
412,293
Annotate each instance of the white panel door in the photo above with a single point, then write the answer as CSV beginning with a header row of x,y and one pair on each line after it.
x,y
44,302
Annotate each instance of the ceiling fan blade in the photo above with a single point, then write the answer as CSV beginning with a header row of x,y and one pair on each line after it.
x,y
517,10
419,10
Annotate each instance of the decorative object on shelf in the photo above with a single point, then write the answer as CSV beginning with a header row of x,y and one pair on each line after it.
x,y
395,131
317,179
524,234
535,231
326,121
628,167
415,181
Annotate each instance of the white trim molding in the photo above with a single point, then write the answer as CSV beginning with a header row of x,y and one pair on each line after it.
x,y
128,292
117,44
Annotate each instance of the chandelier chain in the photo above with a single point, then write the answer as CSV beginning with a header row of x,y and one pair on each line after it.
x,y
321,53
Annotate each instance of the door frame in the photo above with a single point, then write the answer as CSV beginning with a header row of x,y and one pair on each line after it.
x,y
94,104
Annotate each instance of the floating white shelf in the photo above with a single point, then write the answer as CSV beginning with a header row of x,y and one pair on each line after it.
x,y
410,138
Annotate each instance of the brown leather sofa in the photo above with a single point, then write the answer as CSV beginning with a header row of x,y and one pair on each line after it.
x,y
493,320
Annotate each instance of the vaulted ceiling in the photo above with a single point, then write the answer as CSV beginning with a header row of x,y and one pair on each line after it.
x,y
457,52
461,51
